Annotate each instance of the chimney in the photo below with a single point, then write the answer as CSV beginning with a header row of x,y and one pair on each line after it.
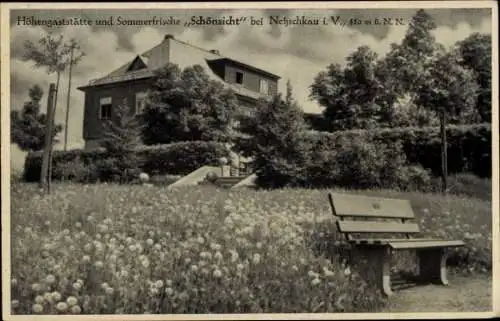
x,y
168,36
214,51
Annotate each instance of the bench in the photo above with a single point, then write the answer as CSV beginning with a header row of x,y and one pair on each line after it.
x,y
359,216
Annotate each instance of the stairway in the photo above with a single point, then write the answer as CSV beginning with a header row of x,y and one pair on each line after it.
x,y
229,181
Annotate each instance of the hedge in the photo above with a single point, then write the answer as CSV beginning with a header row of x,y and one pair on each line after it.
x,y
469,146
175,159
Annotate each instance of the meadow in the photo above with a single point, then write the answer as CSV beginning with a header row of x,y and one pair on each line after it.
x,y
128,249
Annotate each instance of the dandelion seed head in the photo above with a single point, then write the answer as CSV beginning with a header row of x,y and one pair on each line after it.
x,y
62,306
37,308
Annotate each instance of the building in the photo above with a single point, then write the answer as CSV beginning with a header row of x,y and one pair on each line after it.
x,y
132,80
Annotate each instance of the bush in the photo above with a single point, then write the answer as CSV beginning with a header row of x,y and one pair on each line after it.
x,y
469,146
90,166
361,162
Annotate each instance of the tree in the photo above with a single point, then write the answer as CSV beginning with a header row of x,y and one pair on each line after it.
x,y
186,106
29,124
351,96
450,91
475,52
52,54
403,72
121,136
275,140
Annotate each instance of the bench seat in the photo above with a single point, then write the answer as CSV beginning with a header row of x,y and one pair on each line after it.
x,y
359,217
407,243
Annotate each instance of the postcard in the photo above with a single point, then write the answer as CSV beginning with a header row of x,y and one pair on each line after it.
x,y
267,160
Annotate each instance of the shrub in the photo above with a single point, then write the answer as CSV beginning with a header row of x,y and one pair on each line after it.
x,y
178,158
469,146
362,162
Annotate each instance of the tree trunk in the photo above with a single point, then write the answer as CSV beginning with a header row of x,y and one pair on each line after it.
x,y
67,102
48,137
49,175
444,151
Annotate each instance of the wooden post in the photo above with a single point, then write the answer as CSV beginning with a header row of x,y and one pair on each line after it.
x,y
48,137
68,99
444,152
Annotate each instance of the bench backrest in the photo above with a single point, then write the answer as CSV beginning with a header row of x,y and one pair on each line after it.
x,y
371,210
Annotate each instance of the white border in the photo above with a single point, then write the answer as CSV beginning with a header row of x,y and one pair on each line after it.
x,y
5,150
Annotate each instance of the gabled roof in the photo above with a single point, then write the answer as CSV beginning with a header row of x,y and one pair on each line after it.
x,y
182,54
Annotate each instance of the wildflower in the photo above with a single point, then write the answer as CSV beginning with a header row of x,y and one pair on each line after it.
x,y
56,296
258,245
218,256
62,306
217,273
13,282
347,271
159,284
187,260
129,240
104,286
71,300
157,247
109,290
77,286
37,287
256,258
194,268
132,248
200,240
14,304
37,308
145,263
39,299
76,309
149,242
311,274
47,223
168,282
169,291
99,264
234,256
315,281
154,291
295,268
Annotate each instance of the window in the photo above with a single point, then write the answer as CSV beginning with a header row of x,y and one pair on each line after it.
x,y
105,108
264,87
140,102
239,77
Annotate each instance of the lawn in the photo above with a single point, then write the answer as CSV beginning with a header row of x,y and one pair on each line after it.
x,y
136,249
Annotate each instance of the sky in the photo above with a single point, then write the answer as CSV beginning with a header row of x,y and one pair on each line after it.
x,y
296,53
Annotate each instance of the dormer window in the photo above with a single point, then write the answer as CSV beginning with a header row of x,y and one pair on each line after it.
x,y
239,78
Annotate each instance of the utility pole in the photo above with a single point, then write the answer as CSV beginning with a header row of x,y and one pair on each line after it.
x,y
73,45
48,139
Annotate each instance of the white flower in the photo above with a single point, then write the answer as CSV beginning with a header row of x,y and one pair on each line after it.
x,y
315,281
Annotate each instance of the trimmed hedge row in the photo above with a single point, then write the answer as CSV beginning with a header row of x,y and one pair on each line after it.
x,y
469,146
88,166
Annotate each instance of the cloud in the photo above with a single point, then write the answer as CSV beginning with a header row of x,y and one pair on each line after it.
x,y
296,53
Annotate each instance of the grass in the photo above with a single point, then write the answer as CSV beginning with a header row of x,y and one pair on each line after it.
x,y
134,249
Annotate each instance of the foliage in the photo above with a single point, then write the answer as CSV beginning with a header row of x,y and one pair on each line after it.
x,y
275,142
228,252
362,162
449,88
188,106
28,125
177,158
469,146
351,96
475,52
121,136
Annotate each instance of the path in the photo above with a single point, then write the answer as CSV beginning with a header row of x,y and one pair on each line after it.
x,y
464,294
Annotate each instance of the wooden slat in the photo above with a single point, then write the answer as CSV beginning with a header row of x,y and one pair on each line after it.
x,y
368,206
384,241
376,227
425,244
